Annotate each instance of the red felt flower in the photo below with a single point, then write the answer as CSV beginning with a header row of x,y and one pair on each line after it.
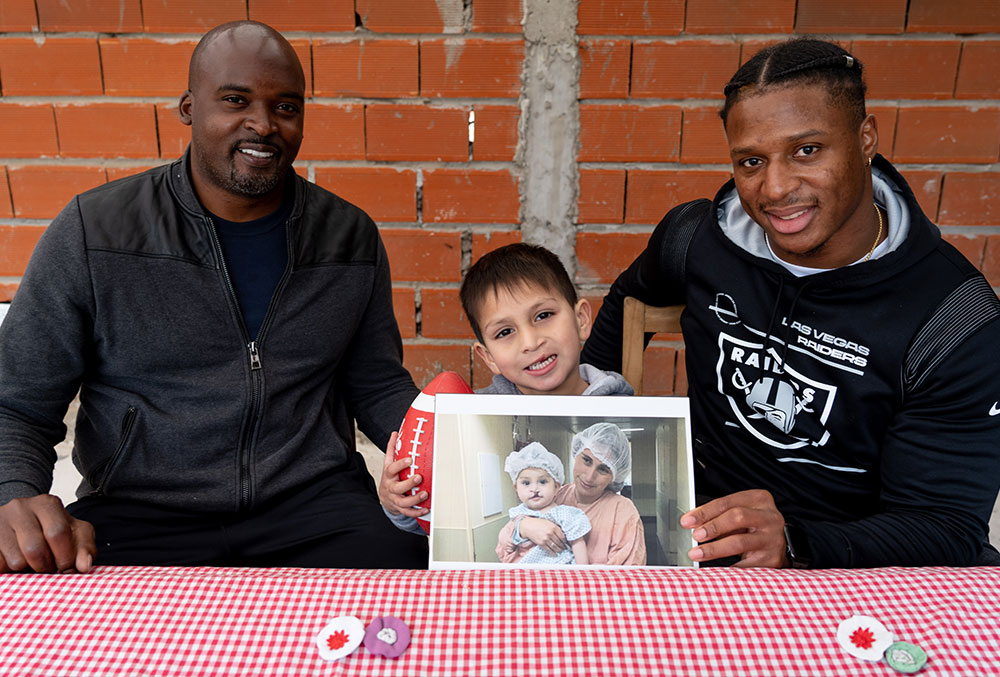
x,y
863,638
337,640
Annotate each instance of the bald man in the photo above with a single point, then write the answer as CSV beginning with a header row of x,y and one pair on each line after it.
x,y
225,323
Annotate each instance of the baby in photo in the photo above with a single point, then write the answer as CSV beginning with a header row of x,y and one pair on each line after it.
x,y
537,474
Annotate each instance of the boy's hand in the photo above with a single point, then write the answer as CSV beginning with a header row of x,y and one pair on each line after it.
x,y
394,494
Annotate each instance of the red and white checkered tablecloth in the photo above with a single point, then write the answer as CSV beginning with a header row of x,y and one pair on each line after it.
x,y
178,622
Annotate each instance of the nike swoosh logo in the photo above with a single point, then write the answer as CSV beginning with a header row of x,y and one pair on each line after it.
x,y
995,409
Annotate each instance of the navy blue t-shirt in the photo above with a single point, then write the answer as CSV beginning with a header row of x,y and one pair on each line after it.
x,y
256,255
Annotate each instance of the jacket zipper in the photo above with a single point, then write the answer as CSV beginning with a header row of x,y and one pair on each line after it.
x,y
127,422
254,358
253,355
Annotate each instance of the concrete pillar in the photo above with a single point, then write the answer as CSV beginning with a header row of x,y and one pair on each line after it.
x,y
549,134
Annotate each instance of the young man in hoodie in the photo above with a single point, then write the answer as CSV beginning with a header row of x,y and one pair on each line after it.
x,y
841,357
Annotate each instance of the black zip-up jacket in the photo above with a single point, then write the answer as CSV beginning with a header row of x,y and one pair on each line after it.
x,y
877,433
126,298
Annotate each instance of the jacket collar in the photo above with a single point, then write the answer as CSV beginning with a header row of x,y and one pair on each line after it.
x,y
183,189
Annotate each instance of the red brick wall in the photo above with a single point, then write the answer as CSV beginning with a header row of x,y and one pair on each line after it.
x,y
88,93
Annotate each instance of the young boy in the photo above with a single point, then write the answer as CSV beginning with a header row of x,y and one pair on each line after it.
x,y
537,474
529,325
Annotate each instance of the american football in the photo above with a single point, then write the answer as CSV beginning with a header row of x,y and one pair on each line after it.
x,y
416,435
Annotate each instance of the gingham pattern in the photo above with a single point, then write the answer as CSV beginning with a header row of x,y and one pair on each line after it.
x,y
178,622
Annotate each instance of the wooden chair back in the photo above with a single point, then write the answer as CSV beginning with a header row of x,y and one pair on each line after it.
x,y
638,320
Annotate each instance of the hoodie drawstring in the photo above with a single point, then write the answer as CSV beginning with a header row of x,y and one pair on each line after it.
x,y
788,324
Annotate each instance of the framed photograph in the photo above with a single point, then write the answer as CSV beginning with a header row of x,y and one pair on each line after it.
x,y
552,481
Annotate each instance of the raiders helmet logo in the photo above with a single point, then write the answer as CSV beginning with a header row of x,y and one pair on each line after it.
x,y
774,402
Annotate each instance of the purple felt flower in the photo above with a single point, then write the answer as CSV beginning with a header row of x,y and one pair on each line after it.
x,y
387,636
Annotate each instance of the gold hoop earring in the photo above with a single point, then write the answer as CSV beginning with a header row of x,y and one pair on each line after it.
x,y
869,163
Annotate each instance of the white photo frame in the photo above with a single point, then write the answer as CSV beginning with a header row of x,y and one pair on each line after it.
x,y
471,496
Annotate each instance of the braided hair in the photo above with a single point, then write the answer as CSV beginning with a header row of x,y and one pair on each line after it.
x,y
802,61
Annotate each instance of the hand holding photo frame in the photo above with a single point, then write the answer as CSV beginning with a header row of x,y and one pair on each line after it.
x,y
548,481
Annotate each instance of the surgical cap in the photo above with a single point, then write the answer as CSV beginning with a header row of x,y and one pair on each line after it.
x,y
611,447
534,455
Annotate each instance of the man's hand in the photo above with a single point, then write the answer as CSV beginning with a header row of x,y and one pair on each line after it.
x,y
543,533
392,493
746,523
38,534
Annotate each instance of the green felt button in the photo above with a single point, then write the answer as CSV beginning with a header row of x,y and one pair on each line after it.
x,y
905,657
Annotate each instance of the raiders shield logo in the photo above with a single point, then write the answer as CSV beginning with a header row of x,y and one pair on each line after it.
x,y
774,402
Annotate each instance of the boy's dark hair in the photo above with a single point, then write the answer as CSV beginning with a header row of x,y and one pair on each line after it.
x,y
802,61
513,267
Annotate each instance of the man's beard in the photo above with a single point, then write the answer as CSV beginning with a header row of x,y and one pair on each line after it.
x,y
251,185
246,184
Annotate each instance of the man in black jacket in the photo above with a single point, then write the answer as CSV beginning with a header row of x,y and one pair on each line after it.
x,y
225,322
841,358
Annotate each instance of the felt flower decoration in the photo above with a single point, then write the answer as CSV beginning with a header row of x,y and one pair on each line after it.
x,y
864,637
905,657
340,637
387,636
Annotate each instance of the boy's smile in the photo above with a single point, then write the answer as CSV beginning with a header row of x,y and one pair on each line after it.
x,y
532,337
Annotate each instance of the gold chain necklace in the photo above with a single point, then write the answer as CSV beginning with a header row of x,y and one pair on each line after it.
x,y
878,235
